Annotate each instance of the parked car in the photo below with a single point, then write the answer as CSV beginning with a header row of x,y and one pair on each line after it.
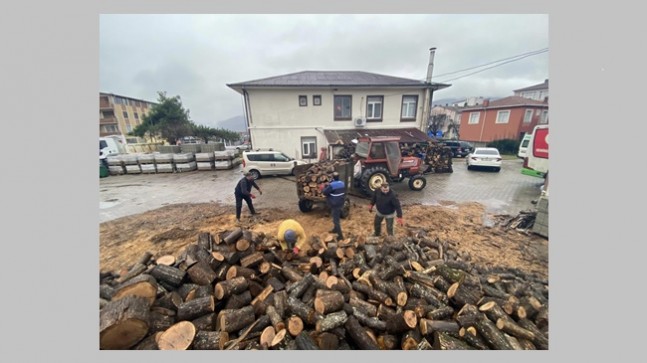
x,y
241,147
524,145
485,157
466,148
268,162
458,149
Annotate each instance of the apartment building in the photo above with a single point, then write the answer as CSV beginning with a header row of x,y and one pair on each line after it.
x,y
119,115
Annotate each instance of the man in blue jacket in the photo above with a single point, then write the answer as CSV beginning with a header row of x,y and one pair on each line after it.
x,y
388,206
335,193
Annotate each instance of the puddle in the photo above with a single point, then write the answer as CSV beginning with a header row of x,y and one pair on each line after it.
x,y
109,204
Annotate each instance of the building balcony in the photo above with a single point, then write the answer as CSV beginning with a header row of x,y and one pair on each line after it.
x,y
108,121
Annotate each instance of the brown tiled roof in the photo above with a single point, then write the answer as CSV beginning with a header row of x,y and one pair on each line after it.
x,y
345,136
334,79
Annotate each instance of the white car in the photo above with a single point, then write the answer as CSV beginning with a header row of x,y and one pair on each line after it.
x,y
486,157
272,162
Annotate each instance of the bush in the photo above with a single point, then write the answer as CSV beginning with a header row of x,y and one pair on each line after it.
x,y
505,146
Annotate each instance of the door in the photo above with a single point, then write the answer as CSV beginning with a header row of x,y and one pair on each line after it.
x,y
282,164
393,157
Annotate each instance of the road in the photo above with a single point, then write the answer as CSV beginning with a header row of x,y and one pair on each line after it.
x,y
505,192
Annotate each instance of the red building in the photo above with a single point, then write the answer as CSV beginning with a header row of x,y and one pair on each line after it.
x,y
506,118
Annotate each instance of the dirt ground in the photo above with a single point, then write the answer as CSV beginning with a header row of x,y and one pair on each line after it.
x,y
466,227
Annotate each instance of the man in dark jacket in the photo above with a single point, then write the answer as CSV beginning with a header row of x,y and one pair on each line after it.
x,y
243,191
388,206
335,193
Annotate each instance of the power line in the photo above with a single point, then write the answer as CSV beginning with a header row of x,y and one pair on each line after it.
x,y
497,63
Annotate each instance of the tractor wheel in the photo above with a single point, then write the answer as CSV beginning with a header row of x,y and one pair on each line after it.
x,y
417,182
373,177
345,210
305,205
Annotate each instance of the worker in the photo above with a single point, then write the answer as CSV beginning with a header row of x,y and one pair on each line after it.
x,y
335,193
243,192
292,237
388,206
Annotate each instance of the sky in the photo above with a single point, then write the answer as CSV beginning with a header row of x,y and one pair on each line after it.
x,y
196,56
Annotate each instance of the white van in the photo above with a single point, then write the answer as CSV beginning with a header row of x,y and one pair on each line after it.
x,y
524,145
110,145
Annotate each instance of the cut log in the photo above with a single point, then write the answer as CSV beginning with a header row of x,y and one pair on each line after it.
x,y
178,337
232,320
280,302
242,245
226,288
171,275
135,270
462,294
359,334
267,336
298,288
410,340
206,322
275,318
252,260
210,340
387,341
306,313
170,300
295,325
278,338
291,274
329,302
427,326
371,322
471,336
142,285
238,271
205,241
444,341
494,312
530,326
233,236
123,323
159,322
238,301
149,343
201,273
305,342
429,293
517,331
327,341
402,322
167,260
491,334
365,307
440,313
196,308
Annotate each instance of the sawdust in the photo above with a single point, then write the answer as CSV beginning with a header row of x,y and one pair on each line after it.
x,y
465,227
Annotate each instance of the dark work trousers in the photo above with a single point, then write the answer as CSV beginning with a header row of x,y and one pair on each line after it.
x,y
336,214
377,224
239,204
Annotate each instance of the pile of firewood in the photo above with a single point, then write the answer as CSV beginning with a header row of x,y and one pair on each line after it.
x,y
439,158
319,173
237,291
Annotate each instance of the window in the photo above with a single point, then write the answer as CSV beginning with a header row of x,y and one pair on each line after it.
x,y
303,101
316,100
109,128
136,116
527,117
129,128
374,108
409,108
474,117
544,117
125,114
343,107
309,147
502,117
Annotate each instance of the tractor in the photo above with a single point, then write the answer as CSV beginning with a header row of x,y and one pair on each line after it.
x,y
379,159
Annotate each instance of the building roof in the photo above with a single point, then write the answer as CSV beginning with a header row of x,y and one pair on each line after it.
x,y
534,88
512,101
345,136
334,79
128,97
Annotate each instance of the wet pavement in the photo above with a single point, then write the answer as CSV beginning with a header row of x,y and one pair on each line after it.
x,y
505,192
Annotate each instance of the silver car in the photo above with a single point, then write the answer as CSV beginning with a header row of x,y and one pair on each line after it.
x,y
485,157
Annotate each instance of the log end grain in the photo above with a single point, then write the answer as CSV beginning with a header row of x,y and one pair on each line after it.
x,y
177,337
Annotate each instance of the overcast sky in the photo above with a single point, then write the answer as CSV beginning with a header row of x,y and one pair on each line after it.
x,y
195,56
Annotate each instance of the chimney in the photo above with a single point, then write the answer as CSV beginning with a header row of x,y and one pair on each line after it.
x,y
486,103
430,67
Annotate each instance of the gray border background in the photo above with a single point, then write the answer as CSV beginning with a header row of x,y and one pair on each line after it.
x,y
49,86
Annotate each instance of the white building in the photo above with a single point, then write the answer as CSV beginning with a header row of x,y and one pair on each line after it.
x,y
300,113
538,92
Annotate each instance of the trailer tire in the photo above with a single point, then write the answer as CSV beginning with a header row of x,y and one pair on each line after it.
x,y
345,210
305,205
417,182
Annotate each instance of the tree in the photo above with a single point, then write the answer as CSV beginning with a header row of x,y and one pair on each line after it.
x,y
206,132
167,119
437,123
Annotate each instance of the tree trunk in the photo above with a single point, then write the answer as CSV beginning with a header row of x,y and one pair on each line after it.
x,y
142,285
232,320
178,337
226,288
171,275
329,302
196,308
201,273
124,322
